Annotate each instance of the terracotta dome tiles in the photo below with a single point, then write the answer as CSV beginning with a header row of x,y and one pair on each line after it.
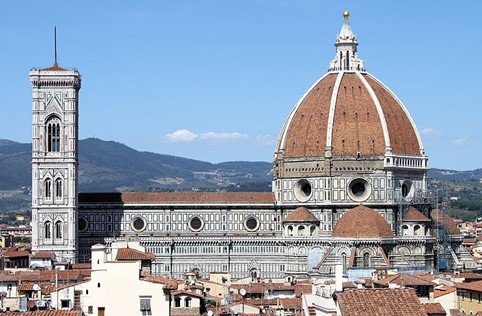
x,y
301,214
362,222
402,133
356,125
306,133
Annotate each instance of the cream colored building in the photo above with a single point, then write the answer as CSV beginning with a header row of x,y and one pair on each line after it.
x,y
117,287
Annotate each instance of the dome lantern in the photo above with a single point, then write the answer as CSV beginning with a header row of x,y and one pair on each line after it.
x,y
346,58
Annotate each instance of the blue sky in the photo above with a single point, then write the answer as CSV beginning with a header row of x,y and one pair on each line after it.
x,y
215,80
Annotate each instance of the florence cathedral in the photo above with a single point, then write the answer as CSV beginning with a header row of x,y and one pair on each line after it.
x,y
349,186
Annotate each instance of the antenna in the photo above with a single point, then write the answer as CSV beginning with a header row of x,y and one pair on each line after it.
x,y
55,45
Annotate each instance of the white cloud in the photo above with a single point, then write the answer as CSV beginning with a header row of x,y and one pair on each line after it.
x,y
212,136
185,136
460,141
430,132
181,136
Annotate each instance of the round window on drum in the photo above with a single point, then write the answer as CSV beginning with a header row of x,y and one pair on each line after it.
x,y
138,224
251,224
196,223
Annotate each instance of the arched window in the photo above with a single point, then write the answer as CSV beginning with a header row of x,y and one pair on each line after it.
x,y
290,230
366,259
312,230
417,230
47,230
58,230
301,230
177,302
404,230
53,135
58,189
187,302
48,189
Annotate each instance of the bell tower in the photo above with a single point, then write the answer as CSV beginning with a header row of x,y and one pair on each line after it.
x,y
55,101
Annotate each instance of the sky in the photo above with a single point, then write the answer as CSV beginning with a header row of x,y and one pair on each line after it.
x,y
215,80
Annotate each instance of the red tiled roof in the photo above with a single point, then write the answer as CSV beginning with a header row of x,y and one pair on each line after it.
x,y
434,308
301,214
81,266
380,302
189,293
442,218
169,283
403,279
133,254
414,215
55,67
16,254
443,290
178,197
360,222
43,255
475,286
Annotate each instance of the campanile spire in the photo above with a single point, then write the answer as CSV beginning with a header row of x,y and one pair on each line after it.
x,y
346,58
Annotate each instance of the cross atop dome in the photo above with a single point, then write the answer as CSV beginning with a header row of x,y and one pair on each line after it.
x,y
346,58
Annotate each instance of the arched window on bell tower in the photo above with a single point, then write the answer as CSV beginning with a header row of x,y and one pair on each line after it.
x,y
48,188
58,189
58,230
53,134
47,230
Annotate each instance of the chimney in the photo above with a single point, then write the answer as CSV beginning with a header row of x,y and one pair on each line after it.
x,y
338,277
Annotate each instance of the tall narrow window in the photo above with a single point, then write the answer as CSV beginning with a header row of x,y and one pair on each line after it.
x,y
48,230
366,259
48,189
53,135
58,189
58,230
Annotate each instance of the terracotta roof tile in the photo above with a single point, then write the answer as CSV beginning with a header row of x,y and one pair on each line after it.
x,y
380,302
81,266
184,292
360,222
475,286
434,308
414,215
44,255
55,67
443,290
133,254
169,283
403,279
301,214
442,218
16,254
285,303
178,197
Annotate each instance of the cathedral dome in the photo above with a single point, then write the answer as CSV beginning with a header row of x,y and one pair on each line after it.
x,y
301,214
362,222
349,113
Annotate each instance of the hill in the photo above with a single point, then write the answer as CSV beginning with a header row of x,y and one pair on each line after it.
x,y
112,166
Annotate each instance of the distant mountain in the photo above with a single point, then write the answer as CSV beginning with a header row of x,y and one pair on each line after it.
x,y
453,175
112,166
